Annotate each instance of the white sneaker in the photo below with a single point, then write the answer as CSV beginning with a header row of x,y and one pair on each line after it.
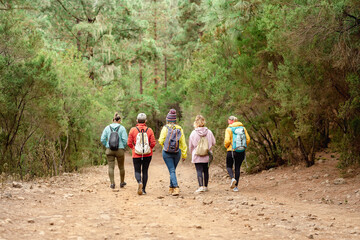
x,y
199,190
233,182
235,189
205,189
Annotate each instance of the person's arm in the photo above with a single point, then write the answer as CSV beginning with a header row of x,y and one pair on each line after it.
x,y
130,139
104,136
247,137
212,141
152,139
183,145
163,136
124,136
227,140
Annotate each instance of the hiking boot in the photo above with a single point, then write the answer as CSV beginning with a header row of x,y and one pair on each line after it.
x,y
233,183
139,191
200,189
171,190
122,184
235,189
176,191
112,186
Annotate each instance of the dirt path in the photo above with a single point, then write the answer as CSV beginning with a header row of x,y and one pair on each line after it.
x,y
287,203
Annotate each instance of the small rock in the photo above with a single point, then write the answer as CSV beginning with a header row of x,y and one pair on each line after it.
x,y
20,198
311,236
339,181
8,220
326,175
31,221
272,178
207,201
17,185
315,176
230,199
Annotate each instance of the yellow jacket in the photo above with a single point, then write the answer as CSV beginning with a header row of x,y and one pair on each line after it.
x,y
182,142
228,136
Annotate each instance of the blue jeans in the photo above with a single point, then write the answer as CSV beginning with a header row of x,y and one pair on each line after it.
x,y
171,161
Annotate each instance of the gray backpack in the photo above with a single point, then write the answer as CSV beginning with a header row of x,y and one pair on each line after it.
x,y
114,139
171,144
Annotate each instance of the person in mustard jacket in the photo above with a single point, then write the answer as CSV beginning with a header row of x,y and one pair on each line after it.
x,y
172,139
234,157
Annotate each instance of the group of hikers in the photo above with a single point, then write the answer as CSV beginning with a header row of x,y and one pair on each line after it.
x,y
142,140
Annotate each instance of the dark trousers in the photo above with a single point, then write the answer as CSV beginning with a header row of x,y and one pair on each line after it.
x,y
142,166
234,158
202,170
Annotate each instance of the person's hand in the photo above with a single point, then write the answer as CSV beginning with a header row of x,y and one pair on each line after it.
x,y
183,159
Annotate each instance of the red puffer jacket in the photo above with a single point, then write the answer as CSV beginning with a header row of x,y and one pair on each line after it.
x,y
132,139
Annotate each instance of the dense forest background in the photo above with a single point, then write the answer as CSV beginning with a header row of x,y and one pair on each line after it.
x,y
289,70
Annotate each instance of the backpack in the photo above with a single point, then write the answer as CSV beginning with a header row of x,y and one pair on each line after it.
x,y
202,149
239,139
142,145
171,144
114,139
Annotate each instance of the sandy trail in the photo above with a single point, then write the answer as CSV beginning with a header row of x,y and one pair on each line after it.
x,y
82,206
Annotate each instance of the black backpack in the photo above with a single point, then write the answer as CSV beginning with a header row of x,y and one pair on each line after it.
x,y
114,139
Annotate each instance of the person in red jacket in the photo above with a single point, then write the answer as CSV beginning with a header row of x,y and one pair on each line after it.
x,y
142,141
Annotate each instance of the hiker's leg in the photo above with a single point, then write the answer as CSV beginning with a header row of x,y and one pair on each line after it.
x,y
145,167
177,158
120,156
199,172
239,158
137,169
229,164
111,165
206,173
170,163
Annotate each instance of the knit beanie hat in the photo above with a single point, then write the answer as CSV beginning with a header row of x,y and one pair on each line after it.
x,y
171,116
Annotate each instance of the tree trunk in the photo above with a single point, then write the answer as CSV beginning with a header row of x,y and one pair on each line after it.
x,y
165,71
156,72
140,76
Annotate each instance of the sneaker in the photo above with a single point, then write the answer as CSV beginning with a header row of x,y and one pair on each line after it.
x,y
122,184
171,190
199,190
235,189
143,192
112,186
205,189
176,191
139,191
233,182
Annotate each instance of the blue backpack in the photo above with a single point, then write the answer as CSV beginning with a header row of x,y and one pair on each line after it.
x,y
171,144
239,139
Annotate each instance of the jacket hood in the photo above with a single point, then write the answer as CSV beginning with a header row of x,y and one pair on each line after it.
x,y
202,131
236,124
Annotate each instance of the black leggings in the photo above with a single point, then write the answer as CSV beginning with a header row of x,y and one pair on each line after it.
x,y
142,166
202,170
238,158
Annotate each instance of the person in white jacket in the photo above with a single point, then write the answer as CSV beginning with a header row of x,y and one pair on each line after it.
x,y
201,160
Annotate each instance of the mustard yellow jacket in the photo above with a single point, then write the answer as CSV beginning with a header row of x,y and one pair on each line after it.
x,y
182,142
228,136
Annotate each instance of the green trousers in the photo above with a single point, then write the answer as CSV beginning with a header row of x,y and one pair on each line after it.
x,y
120,157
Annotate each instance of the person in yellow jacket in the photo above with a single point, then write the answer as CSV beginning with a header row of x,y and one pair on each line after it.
x,y
235,156
172,139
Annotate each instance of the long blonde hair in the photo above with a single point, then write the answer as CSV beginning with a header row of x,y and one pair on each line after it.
x,y
199,121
